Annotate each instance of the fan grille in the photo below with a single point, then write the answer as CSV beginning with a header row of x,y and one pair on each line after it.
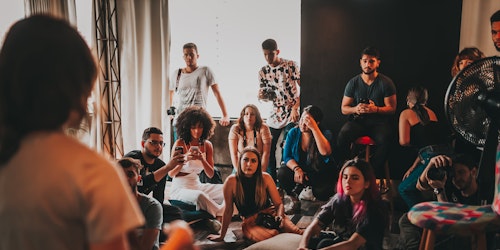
x,y
462,109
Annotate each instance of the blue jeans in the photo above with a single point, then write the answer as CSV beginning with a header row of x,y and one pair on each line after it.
x,y
408,187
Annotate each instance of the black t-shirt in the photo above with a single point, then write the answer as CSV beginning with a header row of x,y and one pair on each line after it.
x,y
338,213
148,183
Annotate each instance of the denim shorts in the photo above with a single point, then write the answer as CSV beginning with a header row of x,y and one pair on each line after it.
x,y
427,152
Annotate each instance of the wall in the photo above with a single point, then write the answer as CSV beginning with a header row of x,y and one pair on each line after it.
x,y
418,41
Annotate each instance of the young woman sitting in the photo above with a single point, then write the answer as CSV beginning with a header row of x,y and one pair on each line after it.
x,y
355,215
249,130
255,195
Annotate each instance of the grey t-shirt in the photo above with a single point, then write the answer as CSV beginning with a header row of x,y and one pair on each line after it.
x,y
152,211
192,88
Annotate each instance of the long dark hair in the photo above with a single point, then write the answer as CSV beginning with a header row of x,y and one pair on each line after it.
x,y
312,149
191,116
370,195
46,72
419,95
260,189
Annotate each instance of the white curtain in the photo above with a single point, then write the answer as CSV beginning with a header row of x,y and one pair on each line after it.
x,y
475,30
65,9
144,48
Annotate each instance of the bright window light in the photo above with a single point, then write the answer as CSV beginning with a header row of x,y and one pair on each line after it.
x,y
229,35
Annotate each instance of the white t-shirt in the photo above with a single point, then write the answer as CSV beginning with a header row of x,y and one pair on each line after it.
x,y
193,88
57,193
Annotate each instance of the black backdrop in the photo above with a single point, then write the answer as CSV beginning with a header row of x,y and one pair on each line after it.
x,y
418,41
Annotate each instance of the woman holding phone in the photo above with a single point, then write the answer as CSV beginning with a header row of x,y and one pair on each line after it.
x,y
194,127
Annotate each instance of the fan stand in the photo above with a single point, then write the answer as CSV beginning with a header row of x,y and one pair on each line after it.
x,y
486,171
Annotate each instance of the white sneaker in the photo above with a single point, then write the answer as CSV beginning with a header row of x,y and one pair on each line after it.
x,y
307,194
213,225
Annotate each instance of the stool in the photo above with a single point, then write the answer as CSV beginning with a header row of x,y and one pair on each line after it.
x,y
385,184
453,219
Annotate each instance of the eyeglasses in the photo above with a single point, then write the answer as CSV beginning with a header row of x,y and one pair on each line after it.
x,y
156,143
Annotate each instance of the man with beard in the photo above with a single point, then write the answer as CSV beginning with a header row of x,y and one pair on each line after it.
x,y
147,235
154,173
495,29
462,171
369,101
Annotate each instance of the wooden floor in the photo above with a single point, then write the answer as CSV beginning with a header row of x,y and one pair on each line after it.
x,y
234,237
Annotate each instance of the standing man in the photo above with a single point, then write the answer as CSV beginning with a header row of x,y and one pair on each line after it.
x,y
495,29
370,101
148,234
153,175
280,83
192,82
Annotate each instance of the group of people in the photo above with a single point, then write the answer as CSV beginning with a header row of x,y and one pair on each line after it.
x,y
47,73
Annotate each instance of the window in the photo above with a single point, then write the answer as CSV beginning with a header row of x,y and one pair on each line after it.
x,y
229,35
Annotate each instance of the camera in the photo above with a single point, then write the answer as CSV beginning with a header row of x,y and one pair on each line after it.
x,y
268,94
267,221
171,110
438,173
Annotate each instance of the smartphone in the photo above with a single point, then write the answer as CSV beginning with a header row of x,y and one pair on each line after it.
x,y
194,149
180,149
364,100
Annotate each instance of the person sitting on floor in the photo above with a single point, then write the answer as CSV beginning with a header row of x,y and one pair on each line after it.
x,y
148,234
308,157
461,170
249,130
356,211
194,127
255,195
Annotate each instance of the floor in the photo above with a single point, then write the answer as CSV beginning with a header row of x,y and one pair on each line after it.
x,y
234,238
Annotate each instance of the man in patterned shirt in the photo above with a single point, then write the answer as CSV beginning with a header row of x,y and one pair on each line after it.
x,y
280,83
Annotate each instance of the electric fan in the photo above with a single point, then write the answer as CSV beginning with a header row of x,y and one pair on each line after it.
x,y
472,107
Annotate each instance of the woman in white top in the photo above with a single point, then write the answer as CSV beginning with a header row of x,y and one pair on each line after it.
x,y
194,127
250,130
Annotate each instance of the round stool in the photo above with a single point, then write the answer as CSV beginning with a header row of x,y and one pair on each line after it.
x,y
385,184
453,219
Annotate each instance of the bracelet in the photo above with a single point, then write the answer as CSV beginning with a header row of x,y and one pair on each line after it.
x,y
294,168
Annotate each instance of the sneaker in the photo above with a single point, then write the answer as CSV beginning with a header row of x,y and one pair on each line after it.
x,y
213,225
307,194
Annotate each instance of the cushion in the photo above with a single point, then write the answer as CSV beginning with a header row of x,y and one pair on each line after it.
x,y
284,241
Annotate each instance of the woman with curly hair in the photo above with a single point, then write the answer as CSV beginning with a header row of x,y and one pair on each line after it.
x,y
250,130
355,215
194,127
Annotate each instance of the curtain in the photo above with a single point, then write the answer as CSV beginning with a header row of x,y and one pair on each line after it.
x,y
476,30
144,48
65,9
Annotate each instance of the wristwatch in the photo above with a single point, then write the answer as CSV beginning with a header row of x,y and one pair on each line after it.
x,y
438,190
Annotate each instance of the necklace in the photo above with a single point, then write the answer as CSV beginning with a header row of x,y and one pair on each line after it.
x,y
245,137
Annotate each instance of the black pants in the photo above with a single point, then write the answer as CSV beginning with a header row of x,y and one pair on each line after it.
x,y
275,133
322,182
379,130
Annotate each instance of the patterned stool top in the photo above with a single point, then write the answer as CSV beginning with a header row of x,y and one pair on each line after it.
x,y
453,218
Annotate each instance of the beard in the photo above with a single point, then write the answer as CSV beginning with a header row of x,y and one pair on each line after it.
x,y
150,154
497,47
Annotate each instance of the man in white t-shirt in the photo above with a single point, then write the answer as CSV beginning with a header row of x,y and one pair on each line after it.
x,y
191,84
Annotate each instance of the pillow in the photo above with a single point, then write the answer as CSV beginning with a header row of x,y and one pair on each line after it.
x,y
283,241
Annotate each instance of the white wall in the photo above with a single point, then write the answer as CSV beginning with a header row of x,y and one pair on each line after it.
x,y
229,35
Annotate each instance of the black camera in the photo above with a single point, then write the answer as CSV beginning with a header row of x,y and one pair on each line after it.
x,y
267,221
268,94
171,110
438,173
